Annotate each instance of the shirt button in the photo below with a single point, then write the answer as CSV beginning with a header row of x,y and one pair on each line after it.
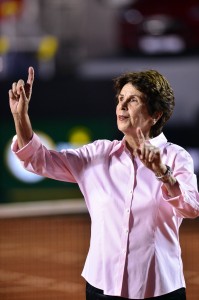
x,y
127,231
128,210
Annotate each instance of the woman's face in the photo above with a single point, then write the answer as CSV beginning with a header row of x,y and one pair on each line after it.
x,y
132,112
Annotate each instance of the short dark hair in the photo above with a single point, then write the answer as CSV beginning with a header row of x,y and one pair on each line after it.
x,y
159,96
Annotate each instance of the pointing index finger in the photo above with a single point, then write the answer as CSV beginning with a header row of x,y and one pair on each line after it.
x,y
140,136
30,76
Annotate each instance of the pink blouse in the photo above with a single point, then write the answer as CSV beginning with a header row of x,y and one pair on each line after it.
x,y
134,247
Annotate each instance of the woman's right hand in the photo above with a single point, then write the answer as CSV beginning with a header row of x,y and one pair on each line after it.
x,y
20,94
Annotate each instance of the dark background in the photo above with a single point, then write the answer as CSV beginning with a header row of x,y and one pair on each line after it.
x,y
77,48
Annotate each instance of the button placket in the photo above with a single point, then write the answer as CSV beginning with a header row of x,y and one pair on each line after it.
x,y
125,232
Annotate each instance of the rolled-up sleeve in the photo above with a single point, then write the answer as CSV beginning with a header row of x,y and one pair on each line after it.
x,y
28,150
187,203
36,158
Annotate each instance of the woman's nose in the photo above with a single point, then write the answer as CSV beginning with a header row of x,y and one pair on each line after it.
x,y
124,105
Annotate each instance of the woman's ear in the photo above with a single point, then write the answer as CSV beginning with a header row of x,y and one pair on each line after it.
x,y
157,115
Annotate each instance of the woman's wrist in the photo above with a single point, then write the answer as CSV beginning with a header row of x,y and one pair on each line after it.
x,y
161,171
165,175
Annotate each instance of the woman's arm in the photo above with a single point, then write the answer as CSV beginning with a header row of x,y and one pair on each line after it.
x,y
180,187
19,98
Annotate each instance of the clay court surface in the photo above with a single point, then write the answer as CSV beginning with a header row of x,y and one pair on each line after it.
x,y
42,257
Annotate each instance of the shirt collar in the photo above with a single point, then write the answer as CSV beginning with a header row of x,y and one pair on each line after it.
x,y
157,141
118,146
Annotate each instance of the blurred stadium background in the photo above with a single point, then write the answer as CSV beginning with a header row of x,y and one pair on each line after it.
x,y
77,48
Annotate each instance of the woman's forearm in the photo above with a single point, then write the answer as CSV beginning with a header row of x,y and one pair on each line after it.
x,y
23,129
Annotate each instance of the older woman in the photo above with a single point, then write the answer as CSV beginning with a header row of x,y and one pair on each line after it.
x,y
137,190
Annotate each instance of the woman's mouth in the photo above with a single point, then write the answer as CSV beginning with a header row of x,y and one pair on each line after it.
x,y
122,118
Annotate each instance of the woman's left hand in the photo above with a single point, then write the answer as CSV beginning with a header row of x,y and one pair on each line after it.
x,y
149,155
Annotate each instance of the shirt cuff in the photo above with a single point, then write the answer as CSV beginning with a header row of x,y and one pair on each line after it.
x,y
28,150
166,195
186,201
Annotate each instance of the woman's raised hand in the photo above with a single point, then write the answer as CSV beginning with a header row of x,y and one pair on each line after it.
x,y
149,155
20,94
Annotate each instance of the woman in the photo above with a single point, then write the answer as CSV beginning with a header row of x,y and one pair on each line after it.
x,y
137,190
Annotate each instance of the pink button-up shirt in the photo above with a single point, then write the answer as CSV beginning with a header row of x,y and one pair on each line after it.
x,y
134,248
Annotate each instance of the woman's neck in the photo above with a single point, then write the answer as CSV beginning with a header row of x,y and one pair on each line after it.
x,y
132,143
